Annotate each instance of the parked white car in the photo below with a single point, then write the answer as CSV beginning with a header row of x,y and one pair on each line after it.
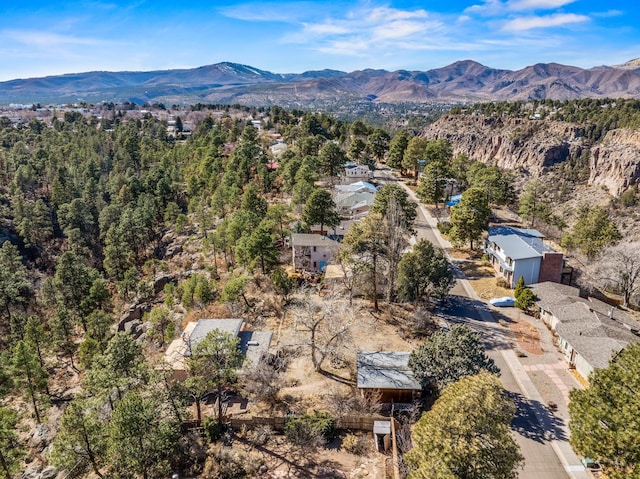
x,y
505,301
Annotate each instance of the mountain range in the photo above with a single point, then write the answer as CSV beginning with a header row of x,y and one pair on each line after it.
x,y
232,83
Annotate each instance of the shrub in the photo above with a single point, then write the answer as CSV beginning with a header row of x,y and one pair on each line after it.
x,y
355,444
310,430
228,464
502,283
212,429
444,227
260,434
525,299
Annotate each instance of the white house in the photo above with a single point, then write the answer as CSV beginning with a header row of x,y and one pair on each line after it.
x,y
353,173
312,252
516,252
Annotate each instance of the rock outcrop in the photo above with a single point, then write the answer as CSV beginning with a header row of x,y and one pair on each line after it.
x,y
533,146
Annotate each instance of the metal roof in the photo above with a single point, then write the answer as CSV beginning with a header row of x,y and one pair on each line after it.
x,y
305,239
385,370
205,326
253,344
518,243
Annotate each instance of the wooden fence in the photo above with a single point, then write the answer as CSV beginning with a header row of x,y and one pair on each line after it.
x,y
358,423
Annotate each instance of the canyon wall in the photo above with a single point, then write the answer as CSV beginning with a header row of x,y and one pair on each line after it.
x,y
532,147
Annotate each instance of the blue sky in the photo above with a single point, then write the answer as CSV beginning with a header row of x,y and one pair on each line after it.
x,y
39,38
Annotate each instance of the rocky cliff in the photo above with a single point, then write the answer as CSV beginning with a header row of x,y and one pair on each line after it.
x,y
533,147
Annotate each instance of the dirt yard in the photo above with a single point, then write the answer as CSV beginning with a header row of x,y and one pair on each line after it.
x,y
526,335
392,328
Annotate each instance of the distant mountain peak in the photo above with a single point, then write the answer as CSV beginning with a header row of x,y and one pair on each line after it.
x,y
229,82
630,65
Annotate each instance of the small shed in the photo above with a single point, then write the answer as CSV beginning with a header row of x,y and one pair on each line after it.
x,y
382,435
387,373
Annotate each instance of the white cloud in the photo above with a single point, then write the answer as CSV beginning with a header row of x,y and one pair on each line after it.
x,y
520,5
546,21
269,11
499,7
46,39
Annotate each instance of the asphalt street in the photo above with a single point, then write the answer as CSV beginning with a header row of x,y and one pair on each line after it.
x,y
542,437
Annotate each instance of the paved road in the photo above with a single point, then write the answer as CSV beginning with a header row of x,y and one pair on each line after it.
x,y
542,437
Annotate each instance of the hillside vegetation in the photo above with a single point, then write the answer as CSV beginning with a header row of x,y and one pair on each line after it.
x,y
121,226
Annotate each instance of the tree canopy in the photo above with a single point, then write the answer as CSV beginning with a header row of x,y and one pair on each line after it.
x,y
603,417
320,209
424,273
592,231
466,434
447,356
469,217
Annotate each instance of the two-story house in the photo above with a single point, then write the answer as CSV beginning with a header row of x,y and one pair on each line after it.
x,y
516,252
353,173
312,252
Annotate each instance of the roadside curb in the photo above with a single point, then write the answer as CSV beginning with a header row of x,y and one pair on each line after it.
x,y
563,450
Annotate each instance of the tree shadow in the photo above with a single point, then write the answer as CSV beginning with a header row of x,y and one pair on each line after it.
x,y
335,377
528,424
299,460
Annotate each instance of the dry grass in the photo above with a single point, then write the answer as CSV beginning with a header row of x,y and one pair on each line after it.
x,y
482,278
465,253
527,336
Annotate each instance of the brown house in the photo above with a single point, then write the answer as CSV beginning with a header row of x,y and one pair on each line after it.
x,y
387,373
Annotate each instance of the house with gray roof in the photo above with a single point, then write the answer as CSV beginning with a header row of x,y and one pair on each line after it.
x,y
387,373
587,331
516,252
353,204
353,173
253,344
311,252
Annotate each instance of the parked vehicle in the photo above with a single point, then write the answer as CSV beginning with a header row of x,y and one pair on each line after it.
x,y
505,301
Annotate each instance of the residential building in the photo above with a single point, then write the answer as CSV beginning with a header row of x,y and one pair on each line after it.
x,y
350,204
312,252
387,373
587,331
253,344
516,252
353,173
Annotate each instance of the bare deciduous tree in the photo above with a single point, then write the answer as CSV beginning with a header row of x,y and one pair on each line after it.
x,y
264,379
397,234
617,269
327,324
343,402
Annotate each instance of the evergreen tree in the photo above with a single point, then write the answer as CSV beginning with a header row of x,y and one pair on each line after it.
x,y
30,376
466,434
469,217
320,209
11,454
447,356
603,417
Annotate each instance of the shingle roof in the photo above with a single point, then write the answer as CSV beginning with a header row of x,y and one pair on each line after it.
x,y
594,329
385,370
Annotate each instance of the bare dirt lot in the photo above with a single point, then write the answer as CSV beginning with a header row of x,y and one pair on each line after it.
x,y
392,328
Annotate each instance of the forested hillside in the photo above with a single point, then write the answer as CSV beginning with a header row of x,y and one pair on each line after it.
x,y
104,216
120,227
